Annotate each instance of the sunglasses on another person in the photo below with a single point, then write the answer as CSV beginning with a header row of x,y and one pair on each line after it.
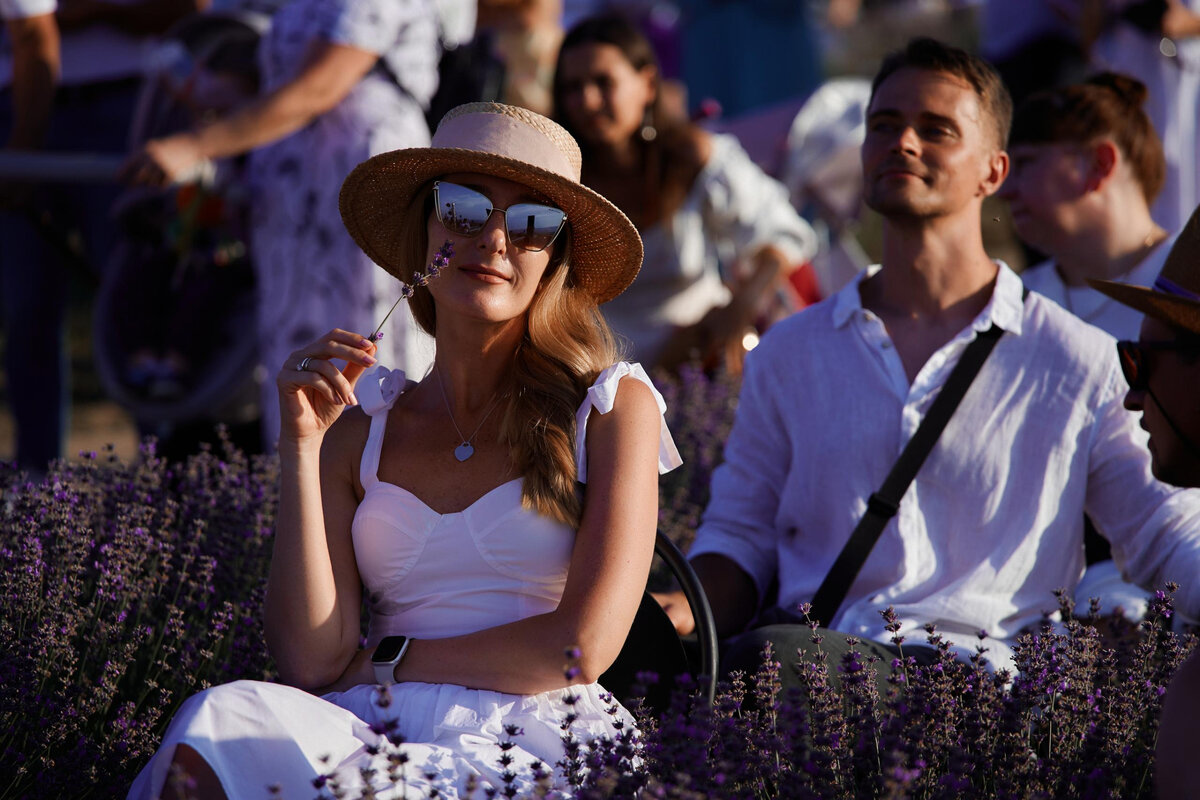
x,y
530,226
1135,363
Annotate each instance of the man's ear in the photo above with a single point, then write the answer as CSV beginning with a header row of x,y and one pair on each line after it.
x,y
1103,161
995,173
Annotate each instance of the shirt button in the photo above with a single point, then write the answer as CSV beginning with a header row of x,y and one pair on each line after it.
x,y
885,344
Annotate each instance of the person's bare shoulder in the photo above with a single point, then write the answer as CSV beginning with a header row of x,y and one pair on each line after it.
x,y
341,452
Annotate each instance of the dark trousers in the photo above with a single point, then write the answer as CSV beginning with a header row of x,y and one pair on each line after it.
x,y
791,641
33,272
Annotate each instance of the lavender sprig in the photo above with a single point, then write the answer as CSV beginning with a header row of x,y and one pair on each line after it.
x,y
441,259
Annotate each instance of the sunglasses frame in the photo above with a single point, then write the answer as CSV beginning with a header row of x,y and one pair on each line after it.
x,y
1132,357
437,209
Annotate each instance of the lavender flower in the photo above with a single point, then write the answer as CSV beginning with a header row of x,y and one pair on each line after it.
x,y
440,260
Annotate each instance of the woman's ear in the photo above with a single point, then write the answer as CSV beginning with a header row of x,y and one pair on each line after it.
x,y
1104,158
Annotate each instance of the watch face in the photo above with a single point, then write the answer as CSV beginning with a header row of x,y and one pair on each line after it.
x,y
389,648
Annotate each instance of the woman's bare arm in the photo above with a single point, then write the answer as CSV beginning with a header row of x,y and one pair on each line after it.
x,y
330,73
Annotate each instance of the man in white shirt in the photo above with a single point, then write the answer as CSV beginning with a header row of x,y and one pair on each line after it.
x,y
993,522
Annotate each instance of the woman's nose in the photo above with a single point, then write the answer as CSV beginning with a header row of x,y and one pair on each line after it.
x,y
493,237
591,98
1135,399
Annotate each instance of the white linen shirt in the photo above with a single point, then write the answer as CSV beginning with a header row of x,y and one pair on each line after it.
x,y
993,522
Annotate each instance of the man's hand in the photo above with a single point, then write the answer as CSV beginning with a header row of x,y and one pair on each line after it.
x,y
678,610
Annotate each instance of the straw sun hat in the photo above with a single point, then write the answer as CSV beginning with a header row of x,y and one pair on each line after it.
x,y
1175,296
507,142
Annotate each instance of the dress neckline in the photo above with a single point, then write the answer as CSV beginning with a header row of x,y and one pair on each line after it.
x,y
477,501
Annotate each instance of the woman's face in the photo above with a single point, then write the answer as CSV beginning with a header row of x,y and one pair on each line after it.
x,y
1045,190
488,278
604,98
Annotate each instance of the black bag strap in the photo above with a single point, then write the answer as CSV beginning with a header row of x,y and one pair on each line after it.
x,y
883,504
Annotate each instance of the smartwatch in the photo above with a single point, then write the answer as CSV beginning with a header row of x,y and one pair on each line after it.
x,y
387,655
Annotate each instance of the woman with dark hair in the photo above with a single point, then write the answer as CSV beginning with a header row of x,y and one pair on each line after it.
x,y
717,230
494,516
1086,166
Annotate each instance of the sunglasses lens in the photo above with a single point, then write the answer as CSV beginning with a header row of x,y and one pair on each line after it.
x,y
1130,356
461,210
532,226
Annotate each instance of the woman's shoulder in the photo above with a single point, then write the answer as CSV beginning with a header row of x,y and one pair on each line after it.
x,y
342,449
625,399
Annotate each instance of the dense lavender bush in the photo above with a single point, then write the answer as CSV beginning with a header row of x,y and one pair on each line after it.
x,y
699,414
126,587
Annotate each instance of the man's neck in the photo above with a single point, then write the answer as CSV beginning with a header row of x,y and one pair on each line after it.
x,y
930,288
929,274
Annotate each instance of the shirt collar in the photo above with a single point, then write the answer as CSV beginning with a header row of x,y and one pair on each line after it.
x,y
1004,308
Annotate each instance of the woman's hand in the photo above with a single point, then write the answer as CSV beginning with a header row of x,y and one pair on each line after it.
x,y
312,391
162,162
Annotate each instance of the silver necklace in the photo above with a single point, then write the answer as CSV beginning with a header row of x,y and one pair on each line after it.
x,y
465,449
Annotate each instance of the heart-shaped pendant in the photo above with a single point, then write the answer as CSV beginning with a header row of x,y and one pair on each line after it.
x,y
464,451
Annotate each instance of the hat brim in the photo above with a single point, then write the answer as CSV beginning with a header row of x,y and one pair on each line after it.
x,y
1179,312
606,250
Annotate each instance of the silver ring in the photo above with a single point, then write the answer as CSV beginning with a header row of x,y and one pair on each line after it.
x,y
303,365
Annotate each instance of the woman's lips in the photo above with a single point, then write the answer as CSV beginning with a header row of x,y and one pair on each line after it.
x,y
482,273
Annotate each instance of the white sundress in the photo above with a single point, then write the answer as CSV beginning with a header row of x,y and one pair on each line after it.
x,y
425,575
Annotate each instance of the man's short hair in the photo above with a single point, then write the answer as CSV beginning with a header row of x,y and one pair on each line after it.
x,y
930,54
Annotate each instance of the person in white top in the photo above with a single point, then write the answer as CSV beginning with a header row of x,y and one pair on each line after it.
x,y
481,559
993,522
1159,44
1086,167
719,232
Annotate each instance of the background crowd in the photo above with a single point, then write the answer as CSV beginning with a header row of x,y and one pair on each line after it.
x,y
213,136
727,132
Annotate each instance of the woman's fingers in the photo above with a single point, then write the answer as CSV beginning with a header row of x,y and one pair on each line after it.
x,y
315,359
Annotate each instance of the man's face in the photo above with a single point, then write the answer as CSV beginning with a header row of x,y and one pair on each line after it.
x,y
1174,379
930,149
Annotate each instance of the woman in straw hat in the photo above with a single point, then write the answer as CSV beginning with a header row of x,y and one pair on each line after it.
x,y
452,506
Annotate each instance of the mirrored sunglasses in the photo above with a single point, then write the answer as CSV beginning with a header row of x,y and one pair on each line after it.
x,y
530,226
1135,361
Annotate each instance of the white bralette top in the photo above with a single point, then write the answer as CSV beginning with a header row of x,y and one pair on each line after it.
x,y
431,575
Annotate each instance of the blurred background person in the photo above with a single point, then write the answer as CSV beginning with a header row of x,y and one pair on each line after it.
x,y
1158,42
32,36
524,35
719,233
342,80
1034,44
1086,165
54,227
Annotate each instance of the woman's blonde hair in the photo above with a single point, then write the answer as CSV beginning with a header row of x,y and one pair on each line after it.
x,y
566,344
